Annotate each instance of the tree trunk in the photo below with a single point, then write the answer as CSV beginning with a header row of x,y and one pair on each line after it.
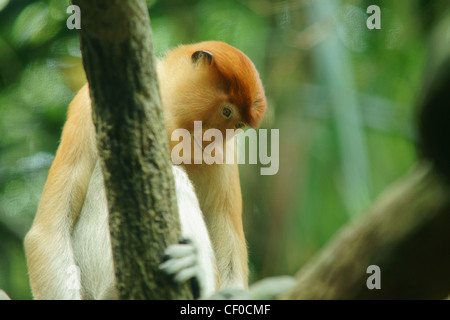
x,y
117,49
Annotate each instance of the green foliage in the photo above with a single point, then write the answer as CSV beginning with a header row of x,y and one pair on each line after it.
x,y
342,96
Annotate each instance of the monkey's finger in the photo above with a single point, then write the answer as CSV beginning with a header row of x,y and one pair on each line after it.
x,y
186,274
180,251
174,266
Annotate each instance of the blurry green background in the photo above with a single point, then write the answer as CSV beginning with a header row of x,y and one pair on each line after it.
x,y
342,96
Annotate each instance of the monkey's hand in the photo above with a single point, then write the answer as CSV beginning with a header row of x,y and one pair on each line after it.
x,y
181,262
266,289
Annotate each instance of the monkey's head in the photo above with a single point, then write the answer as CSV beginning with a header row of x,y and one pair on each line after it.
x,y
211,82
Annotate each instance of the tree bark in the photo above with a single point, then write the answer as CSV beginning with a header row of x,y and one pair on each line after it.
x,y
117,49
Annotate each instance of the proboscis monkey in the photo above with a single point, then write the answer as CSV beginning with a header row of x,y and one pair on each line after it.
x,y
211,82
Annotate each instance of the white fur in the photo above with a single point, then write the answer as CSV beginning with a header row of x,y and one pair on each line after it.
x,y
193,227
91,242
92,246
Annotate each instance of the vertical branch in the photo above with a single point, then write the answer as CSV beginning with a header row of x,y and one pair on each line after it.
x,y
334,67
117,49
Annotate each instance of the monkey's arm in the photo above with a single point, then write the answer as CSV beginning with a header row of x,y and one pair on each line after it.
x,y
219,193
193,258
48,243
227,232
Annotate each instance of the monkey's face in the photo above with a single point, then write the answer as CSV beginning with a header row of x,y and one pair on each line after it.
x,y
212,120
207,89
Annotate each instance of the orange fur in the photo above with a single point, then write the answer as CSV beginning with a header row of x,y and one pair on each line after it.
x,y
62,199
243,84
192,93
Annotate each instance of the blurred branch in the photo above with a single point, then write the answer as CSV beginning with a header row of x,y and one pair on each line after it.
x,y
405,233
334,68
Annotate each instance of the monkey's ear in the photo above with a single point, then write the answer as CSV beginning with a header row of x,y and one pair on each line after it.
x,y
202,56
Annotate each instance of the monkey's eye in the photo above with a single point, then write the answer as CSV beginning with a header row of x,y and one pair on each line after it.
x,y
239,125
226,112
